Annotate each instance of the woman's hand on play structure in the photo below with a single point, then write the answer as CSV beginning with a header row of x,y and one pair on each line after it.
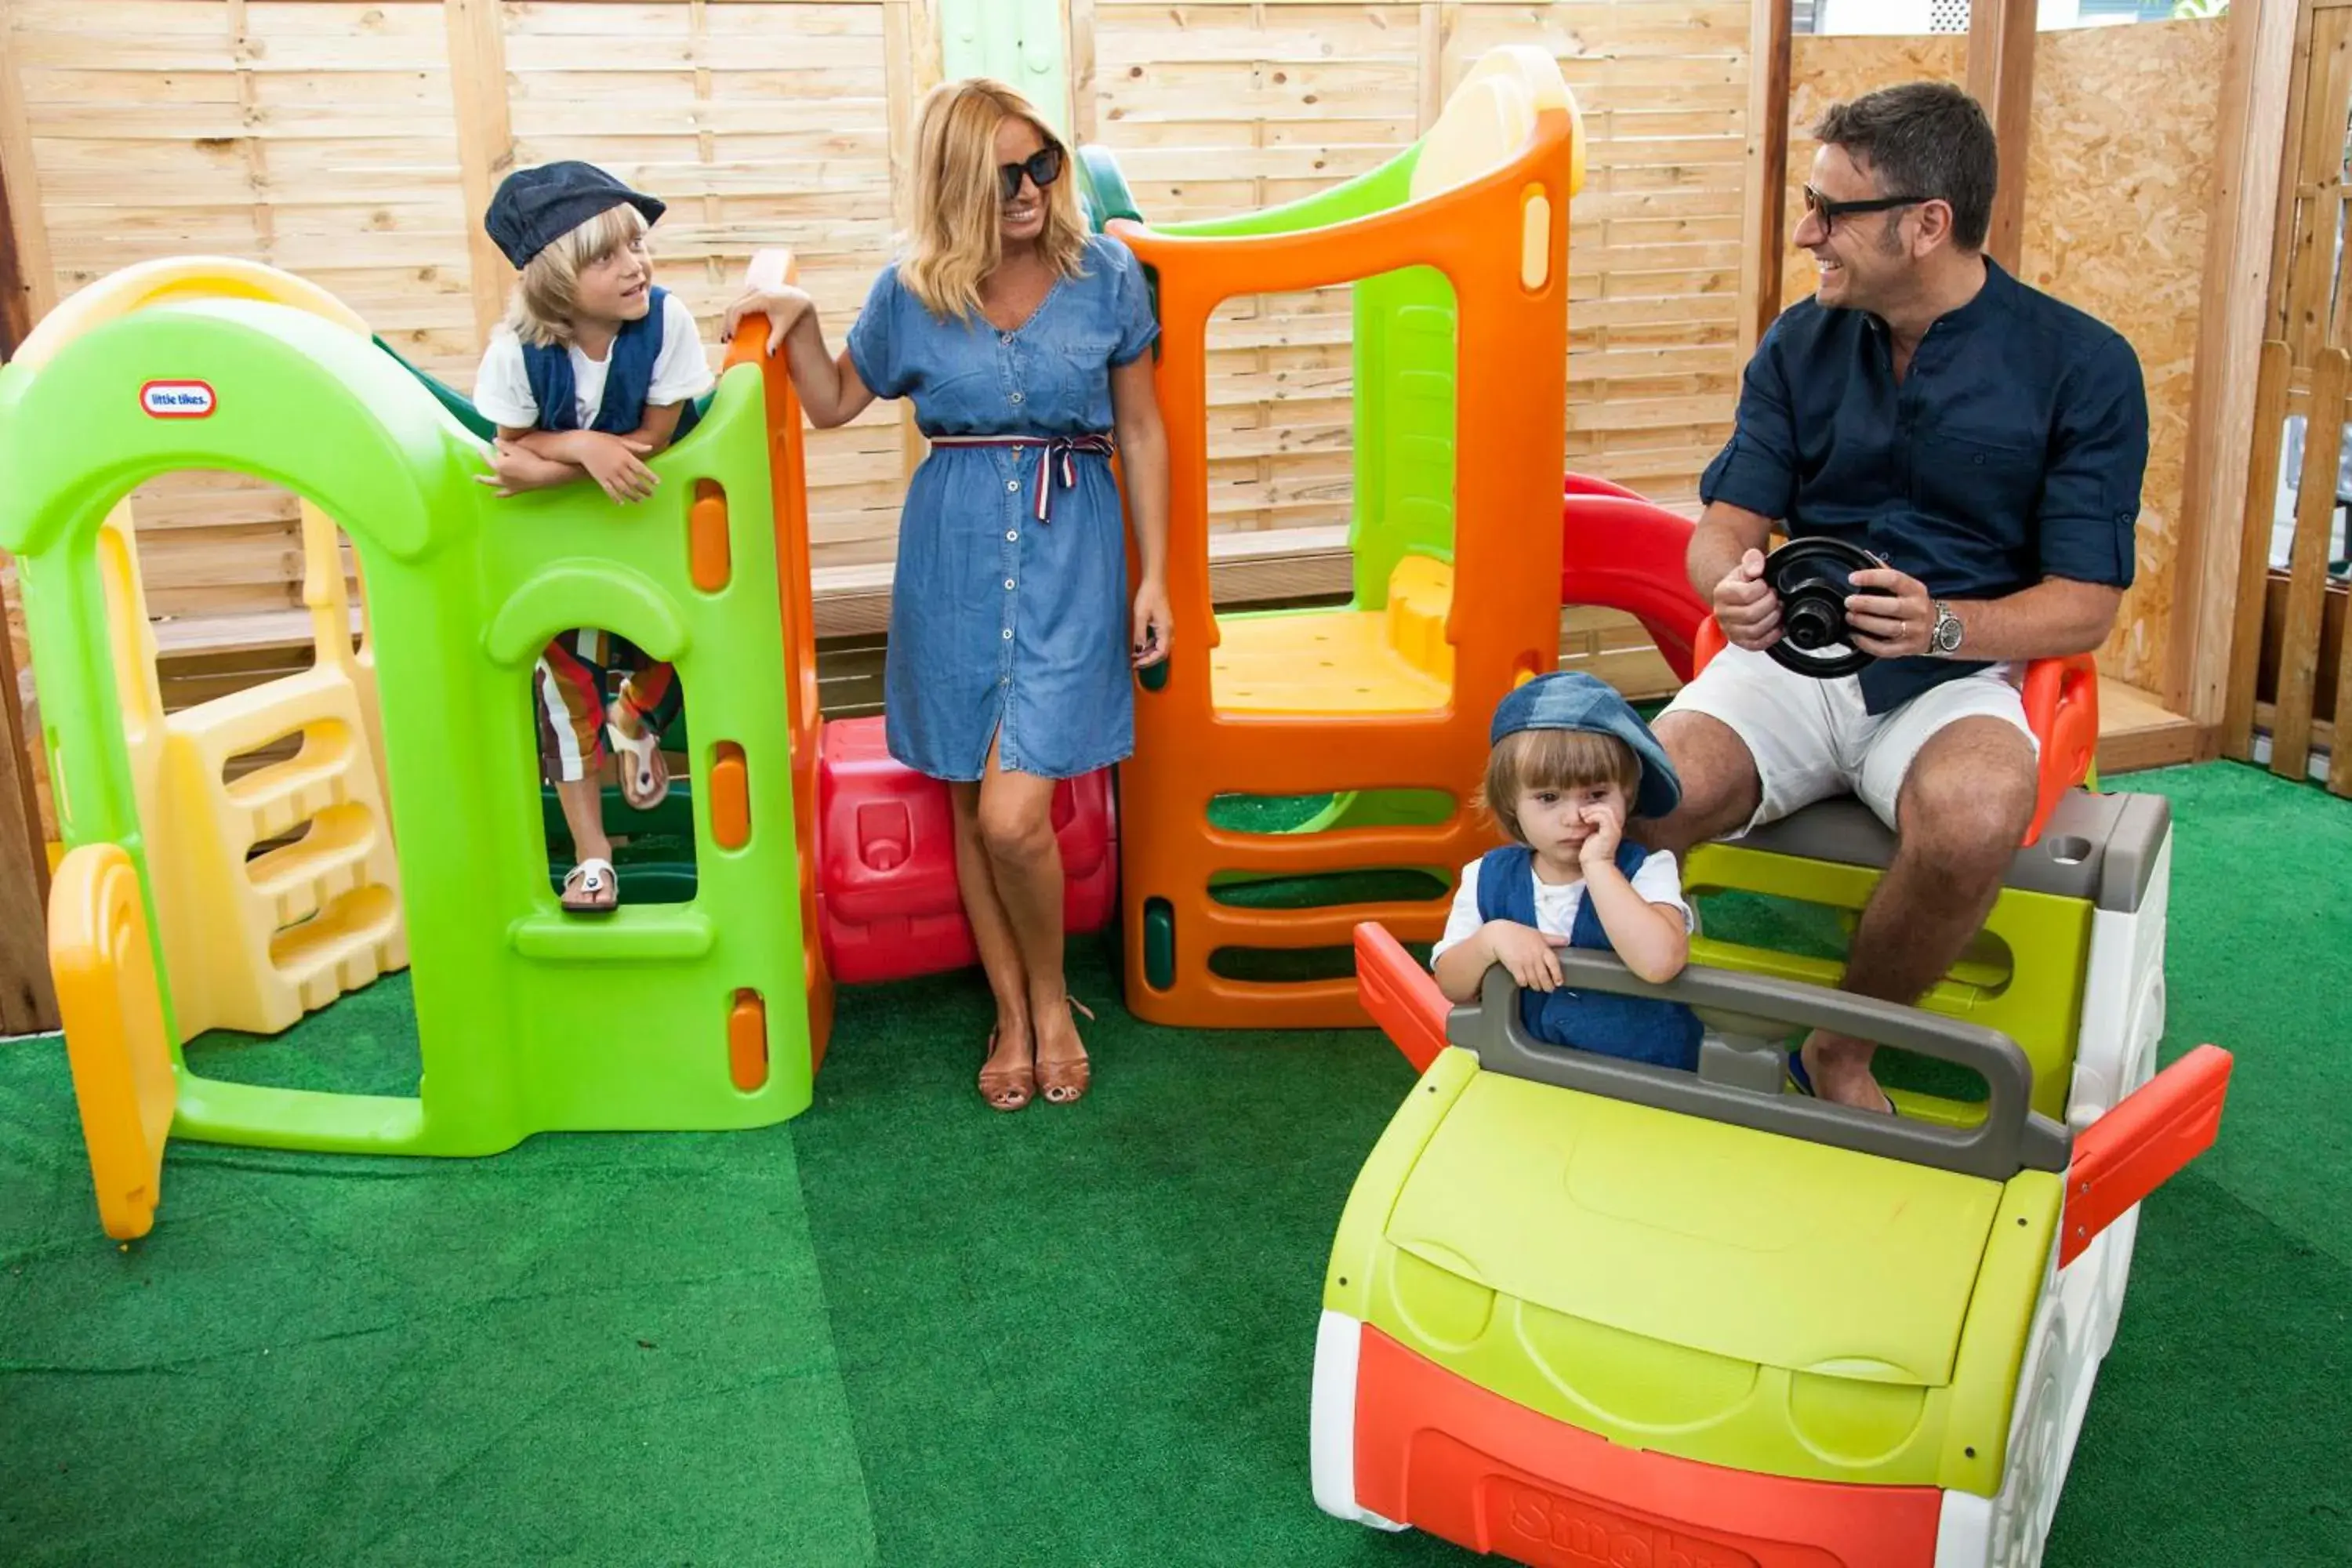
x,y
514,470
783,308
1155,624
1526,952
613,461
1746,607
1608,825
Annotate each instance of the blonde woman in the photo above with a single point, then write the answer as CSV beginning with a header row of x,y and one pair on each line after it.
x,y
1023,341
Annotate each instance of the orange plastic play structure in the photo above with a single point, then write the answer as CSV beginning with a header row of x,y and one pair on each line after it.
x,y
795,595
1394,691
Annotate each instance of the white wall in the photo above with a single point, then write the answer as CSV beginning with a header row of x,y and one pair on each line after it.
x,y
1915,16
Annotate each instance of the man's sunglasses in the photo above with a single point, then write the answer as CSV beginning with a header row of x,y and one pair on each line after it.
x,y
1829,212
1044,167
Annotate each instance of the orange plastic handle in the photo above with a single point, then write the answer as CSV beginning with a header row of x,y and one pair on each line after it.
x,y
1401,997
2136,1148
2062,707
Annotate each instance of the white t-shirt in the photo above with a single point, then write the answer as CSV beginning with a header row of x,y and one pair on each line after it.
x,y
1658,880
681,372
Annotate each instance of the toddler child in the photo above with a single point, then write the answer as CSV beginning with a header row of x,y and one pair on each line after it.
x,y
1571,761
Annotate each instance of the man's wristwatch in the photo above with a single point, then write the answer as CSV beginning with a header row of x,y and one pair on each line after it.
x,y
1943,638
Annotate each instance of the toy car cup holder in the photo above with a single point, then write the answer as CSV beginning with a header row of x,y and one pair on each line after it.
x,y
1810,578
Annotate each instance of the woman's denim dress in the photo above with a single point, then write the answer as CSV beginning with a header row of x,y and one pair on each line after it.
x,y
1002,626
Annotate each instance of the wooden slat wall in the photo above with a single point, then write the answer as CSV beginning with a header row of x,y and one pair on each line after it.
x,y
316,137
1219,109
1654,240
760,125
324,138
338,140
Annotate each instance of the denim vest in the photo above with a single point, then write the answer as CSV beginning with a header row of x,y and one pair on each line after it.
x,y
628,376
1638,1028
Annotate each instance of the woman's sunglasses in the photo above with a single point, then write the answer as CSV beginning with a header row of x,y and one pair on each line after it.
x,y
1829,212
1044,167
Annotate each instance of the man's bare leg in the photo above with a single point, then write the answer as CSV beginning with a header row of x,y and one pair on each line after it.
x,y
1720,787
1962,810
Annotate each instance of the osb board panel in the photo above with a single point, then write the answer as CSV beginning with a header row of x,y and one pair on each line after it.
x,y
2118,186
2117,207
1827,70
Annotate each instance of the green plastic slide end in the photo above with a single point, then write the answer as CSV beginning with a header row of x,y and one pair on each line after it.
x,y
1102,189
1159,944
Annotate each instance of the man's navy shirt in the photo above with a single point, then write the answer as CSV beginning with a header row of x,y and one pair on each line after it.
x,y
2013,450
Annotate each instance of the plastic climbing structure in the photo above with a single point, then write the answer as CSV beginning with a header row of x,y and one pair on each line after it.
x,y
1458,252
525,1017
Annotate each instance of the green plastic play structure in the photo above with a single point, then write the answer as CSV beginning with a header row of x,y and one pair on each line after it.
x,y
529,1020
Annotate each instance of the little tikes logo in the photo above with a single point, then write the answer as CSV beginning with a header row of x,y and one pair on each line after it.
x,y
178,399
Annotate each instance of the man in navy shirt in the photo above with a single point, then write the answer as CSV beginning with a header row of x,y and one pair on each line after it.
x,y
1983,440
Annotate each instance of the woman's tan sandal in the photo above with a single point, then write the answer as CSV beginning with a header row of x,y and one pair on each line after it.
x,y
1066,1083
1005,1087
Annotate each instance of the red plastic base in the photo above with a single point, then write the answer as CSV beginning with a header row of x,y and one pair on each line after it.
x,y
887,904
1438,1452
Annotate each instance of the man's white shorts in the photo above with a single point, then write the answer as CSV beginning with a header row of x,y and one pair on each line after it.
x,y
1814,739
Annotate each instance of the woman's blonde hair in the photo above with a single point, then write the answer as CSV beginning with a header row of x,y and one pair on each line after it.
x,y
955,241
1552,759
549,290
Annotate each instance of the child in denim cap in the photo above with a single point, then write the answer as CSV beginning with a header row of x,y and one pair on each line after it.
x,y
1571,761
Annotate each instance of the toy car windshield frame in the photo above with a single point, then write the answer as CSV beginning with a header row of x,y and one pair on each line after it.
x,y
2008,1139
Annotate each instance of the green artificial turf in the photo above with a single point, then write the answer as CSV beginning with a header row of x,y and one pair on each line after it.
x,y
908,1330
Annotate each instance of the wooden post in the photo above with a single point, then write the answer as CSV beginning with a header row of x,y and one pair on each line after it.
x,y
28,1003
477,83
2306,593
1432,57
2001,78
2224,421
1764,240
16,299
2245,645
28,235
910,55
1078,49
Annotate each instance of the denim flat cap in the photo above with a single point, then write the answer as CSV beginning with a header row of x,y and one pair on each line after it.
x,y
533,208
1571,700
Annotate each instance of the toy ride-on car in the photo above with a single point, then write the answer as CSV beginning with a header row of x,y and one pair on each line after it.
x,y
1582,1311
